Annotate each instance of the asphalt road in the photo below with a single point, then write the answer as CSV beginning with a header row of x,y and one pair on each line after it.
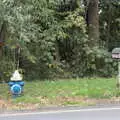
x,y
110,113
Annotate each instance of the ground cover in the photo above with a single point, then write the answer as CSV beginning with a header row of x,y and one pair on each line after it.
x,y
87,91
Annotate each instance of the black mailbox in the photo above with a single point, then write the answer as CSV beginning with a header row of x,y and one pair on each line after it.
x,y
116,53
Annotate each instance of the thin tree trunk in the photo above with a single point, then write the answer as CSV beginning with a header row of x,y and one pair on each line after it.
x,y
2,37
0,52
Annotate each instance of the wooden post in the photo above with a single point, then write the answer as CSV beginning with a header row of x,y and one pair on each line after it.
x,y
118,80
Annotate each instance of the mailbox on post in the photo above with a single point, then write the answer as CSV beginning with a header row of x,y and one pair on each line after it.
x,y
116,55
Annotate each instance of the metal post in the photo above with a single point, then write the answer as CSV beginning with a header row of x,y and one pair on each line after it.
x,y
119,73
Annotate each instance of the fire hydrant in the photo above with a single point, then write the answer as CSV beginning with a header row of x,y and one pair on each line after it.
x,y
16,84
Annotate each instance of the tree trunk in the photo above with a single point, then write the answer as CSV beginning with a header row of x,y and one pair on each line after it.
x,y
0,52
2,37
93,23
92,19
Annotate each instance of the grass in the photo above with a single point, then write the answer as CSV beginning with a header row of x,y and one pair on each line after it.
x,y
63,92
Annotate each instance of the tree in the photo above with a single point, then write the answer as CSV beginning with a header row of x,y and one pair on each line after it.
x,y
54,37
15,19
2,36
93,22
110,23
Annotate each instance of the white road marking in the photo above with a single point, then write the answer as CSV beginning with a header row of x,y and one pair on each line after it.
x,y
59,111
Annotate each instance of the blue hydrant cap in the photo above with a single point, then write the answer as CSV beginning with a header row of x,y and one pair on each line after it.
x,y
16,89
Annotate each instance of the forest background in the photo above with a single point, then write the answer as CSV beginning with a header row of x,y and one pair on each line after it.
x,y
48,39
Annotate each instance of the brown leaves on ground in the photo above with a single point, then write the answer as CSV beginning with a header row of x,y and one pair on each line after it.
x,y
58,101
3,104
8,105
86,101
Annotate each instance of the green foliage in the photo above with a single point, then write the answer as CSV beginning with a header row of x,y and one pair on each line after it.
x,y
6,69
110,23
53,38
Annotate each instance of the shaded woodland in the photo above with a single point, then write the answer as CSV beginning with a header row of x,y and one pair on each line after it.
x,y
49,39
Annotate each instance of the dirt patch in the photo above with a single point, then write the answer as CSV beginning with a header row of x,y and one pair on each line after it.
x,y
8,105
58,101
84,101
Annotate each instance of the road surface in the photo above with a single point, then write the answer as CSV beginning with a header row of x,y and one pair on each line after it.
x,y
110,113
